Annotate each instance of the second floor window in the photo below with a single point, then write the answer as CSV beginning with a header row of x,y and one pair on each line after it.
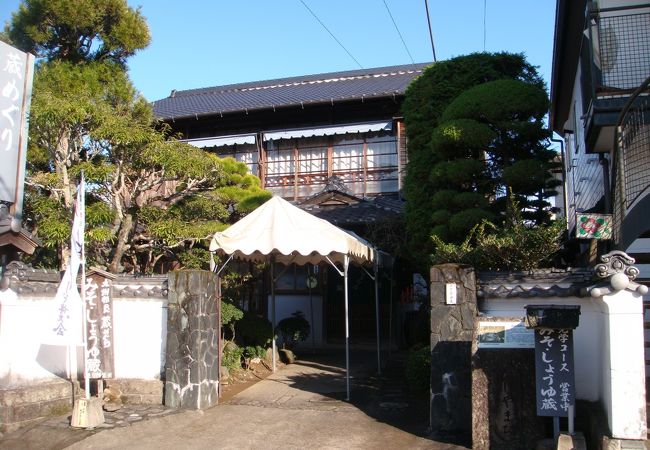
x,y
366,162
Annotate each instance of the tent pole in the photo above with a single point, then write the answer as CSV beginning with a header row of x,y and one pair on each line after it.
x,y
390,315
311,310
273,309
377,317
346,263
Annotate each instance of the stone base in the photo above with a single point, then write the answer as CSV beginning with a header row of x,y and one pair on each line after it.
x,y
194,396
24,405
138,392
87,413
571,442
622,444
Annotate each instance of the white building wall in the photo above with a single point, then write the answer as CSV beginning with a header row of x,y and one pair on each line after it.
x,y
588,338
584,171
25,355
286,305
620,3
140,336
140,329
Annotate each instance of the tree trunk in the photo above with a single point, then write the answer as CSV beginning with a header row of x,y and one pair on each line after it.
x,y
61,159
122,244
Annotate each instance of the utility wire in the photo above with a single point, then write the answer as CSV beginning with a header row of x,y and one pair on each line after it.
x,y
398,32
334,37
484,23
433,47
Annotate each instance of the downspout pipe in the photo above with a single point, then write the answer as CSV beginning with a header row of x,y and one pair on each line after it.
x,y
565,198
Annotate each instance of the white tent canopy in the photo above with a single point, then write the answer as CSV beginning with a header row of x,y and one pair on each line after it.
x,y
292,235
283,233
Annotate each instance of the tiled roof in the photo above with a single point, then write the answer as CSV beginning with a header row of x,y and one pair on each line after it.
x,y
363,211
26,280
302,90
534,284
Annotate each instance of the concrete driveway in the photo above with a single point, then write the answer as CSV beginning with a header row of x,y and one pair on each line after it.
x,y
299,407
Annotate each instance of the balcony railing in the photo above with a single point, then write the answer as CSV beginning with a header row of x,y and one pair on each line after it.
x,y
620,48
631,169
615,60
636,151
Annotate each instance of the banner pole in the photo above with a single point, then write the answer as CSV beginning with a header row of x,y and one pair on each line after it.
x,y
84,324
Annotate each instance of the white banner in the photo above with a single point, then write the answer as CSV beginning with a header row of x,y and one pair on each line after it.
x,y
67,329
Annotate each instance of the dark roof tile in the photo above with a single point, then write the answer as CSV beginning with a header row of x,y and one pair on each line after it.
x,y
308,89
534,284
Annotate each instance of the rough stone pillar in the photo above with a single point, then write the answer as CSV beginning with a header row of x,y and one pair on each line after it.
x,y
193,331
452,328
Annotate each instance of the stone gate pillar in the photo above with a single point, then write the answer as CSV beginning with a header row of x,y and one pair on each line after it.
x,y
453,312
623,378
193,332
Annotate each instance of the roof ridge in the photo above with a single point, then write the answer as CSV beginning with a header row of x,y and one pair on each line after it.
x,y
374,72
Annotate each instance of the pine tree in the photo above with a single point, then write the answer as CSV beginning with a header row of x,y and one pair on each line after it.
x,y
153,201
476,131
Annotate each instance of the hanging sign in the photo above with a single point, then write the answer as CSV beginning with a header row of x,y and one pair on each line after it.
x,y
593,226
451,295
16,73
554,374
99,320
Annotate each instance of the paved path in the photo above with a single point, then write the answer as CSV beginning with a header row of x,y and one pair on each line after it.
x,y
300,407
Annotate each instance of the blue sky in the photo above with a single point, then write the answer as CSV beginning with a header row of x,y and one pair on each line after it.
x,y
201,43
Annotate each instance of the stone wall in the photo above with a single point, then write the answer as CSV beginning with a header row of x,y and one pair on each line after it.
x,y
33,374
139,392
503,377
20,406
503,395
193,332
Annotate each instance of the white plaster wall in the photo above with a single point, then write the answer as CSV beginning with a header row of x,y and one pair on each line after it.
x,y
285,305
588,338
619,3
624,369
140,329
26,350
140,336
22,326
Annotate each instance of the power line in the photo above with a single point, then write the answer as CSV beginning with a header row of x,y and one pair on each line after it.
x,y
433,47
484,23
334,37
398,32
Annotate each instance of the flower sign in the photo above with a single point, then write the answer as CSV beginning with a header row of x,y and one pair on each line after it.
x,y
594,226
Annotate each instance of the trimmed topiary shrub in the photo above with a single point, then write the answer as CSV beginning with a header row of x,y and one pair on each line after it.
x,y
293,329
253,330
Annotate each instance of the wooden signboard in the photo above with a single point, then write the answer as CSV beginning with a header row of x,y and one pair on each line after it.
x,y
99,321
554,374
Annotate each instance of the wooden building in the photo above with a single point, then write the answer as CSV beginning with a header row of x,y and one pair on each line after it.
x,y
333,144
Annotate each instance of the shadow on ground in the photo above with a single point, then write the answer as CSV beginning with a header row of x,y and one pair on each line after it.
x,y
385,397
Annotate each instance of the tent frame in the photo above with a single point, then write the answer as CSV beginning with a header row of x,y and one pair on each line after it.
x,y
345,275
279,231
